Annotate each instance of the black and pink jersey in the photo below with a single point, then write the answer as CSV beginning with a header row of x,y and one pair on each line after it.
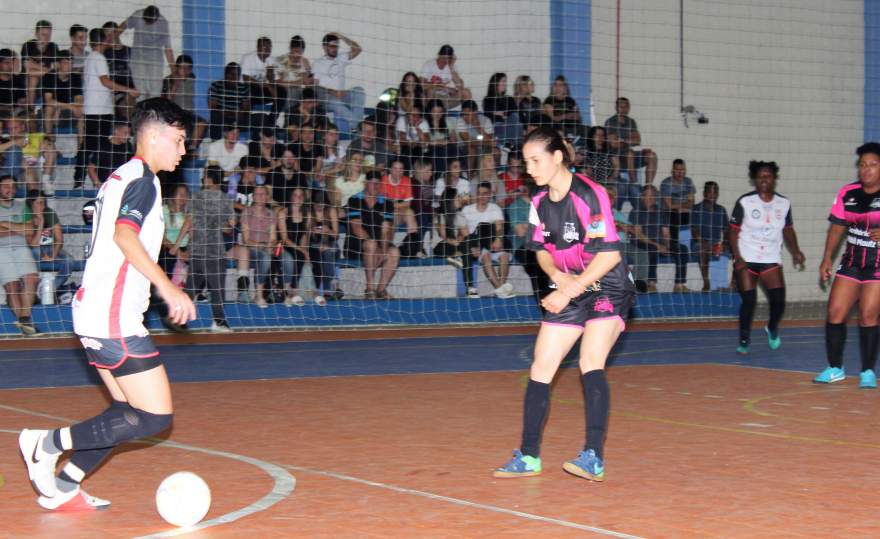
x,y
577,227
859,212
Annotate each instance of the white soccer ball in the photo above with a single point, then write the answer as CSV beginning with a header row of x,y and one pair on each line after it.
x,y
183,499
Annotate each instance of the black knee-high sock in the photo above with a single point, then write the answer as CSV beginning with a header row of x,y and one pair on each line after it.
x,y
868,346
534,414
596,401
84,462
746,313
835,339
776,296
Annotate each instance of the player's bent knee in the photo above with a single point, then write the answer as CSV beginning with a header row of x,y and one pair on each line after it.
x,y
147,424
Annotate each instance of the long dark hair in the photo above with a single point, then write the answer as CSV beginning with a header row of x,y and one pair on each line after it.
x,y
419,93
591,140
492,91
427,114
552,141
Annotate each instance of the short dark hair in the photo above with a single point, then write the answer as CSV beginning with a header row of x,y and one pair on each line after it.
x,y
252,161
329,38
374,175
160,110
421,163
297,42
77,28
63,55
868,147
6,54
232,126
469,104
214,173
709,184
96,35
151,14
263,40
43,24
755,168
5,177
484,185
183,59
446,50
678,161
308,93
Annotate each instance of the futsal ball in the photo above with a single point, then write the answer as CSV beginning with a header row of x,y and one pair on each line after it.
x,y
183,499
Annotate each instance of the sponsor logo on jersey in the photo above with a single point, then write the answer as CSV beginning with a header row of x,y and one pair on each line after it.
x,y
851,202
875,203
570,233
89,342
756,214
597,227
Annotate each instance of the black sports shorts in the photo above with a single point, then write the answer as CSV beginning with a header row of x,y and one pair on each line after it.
x,y
590,306
127,355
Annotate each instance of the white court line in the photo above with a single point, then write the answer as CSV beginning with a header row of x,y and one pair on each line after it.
x,y
465,503
283,487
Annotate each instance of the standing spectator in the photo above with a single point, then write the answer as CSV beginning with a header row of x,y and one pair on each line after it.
x,y
38,58
502,110
47,238
79,49
18,272
475,132
601,165
62,96
119,61
397,188
484,223
677,195
347,105
413,132
13,85
228,152
258,72
180,87
29,157
98,90
293,231
410,93
374,151
229,102
709,228
259,238
527,105
323,252
151,42
294,71
175,244
371,231
211,213
623,136
652,236
441,80
113,152
561,107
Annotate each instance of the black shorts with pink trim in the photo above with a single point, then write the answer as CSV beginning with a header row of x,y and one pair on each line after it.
x,y
867,274
123,356
758,268
592,306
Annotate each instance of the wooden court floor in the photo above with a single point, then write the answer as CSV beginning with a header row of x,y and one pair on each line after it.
x,y
693,451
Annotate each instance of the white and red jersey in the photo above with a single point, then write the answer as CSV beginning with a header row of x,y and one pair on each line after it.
x,y
114,295
761,225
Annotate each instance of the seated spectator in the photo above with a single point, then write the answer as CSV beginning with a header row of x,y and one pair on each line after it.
x,y
258,71
677,197
62,96
285,178
309,156
560,106
397,189
79,41
514,179
527,105
351,182
423,198
180,87
18,272
475,132
410,93
369,239
294,227
636,258
47,238
29,157
484,228
518,220
259,238
38,57
502,110
441,80
709,228
294,72
386,127
118,57
227,152
266,145
347,105
229,102
212,214
441,139
13,85
452,191
600,165
333,162
413,133
306,112
151,48
113,152
373,149
624,138
323,252
652,236
488,173
241,186
174,254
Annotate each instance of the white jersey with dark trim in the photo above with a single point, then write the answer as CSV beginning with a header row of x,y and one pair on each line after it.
x,y
114,295
761,225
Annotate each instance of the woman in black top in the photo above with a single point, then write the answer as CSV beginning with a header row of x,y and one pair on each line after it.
x,y
560,106
323,233
501,109
527,105
293,229
599,163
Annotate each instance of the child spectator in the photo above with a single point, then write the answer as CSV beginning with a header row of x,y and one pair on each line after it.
x,y
29,157
709,228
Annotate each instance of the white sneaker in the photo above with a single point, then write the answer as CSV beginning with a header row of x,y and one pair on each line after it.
x,y
40,465
502,292
75,500
321,301
294,300
473,293
455,261
220,327
507,286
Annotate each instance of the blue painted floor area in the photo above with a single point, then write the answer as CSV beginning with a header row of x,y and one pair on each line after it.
x,y
803,349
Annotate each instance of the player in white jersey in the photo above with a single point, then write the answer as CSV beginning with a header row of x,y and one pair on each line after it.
x,y
759,224
108,316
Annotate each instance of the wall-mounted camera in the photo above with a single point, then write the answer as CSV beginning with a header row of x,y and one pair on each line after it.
x,y
690,114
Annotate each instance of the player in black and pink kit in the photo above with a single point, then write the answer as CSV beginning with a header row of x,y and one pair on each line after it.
x,y
856,215
573,232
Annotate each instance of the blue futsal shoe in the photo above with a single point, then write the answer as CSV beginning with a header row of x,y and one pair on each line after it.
x,y
867,379
830,375
773,340
586,465
743,348
519,466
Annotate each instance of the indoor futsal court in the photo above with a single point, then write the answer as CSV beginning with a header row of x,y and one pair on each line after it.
x,y
397,437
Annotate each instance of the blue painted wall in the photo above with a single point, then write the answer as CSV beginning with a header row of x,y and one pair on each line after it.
x,y
570,48
872,70
204,38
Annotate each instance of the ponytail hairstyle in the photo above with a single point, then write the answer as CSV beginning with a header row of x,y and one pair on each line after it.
x,y
755,167
552,141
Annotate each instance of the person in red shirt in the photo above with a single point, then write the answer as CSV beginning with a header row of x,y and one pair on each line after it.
x,y
514,180
397,187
